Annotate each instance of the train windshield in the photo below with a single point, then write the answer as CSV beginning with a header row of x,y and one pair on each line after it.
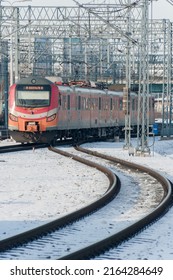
x,y
31,98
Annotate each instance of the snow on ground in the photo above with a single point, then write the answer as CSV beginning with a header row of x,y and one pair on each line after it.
x,y
160,159
37,186
155,242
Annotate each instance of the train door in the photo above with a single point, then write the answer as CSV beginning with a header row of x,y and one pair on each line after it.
x,y
115,110
62,113
100,111
68,111
111,108
93,111
78,109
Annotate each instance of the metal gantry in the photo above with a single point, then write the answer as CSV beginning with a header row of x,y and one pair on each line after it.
x,y
74,28
114,43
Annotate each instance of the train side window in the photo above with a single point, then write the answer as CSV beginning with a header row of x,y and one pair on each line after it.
x,y
68,102
96,103
111,104
89,103
86,104
76,102
133,104
107,104
64,102
100,103
79,102
59,99
93,103
116,104
121,104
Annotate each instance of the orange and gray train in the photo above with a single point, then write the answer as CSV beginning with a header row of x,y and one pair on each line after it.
x,y
41,111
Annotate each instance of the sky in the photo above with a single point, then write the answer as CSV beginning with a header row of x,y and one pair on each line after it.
x,y
162,9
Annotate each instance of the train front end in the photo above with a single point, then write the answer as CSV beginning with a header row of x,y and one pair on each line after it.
x,y
33,109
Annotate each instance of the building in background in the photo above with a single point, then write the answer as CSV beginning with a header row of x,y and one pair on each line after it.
x,y
43,62
89,59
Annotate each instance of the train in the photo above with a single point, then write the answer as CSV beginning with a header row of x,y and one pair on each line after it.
x,y
42,111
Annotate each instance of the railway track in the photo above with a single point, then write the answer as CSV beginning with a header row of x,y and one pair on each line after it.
x,y
154,213
56,224
28,146
111,238
20,147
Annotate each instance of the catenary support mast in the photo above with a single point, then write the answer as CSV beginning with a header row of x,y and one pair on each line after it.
x,y
143,94
126,93
167,86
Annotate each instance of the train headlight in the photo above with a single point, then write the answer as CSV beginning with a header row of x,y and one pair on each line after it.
x,y
13,118
51,118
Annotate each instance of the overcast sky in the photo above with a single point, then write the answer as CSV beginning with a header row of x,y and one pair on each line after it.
x,y
162,9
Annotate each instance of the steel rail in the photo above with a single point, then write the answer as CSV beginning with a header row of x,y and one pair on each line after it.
x,y
117,238
21,147
35,233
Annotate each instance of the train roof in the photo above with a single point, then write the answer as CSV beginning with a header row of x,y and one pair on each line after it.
x,y
34,80
94,91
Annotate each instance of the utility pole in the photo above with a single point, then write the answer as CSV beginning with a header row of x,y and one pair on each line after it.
x,y
16,65
126,90
167,73
14,21
143,94
4,73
